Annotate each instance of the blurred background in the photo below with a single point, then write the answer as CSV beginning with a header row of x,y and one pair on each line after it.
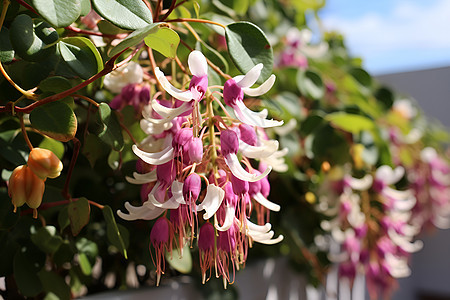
x,y
406,45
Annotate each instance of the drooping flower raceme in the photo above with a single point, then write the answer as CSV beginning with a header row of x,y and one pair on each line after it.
x,y
200,169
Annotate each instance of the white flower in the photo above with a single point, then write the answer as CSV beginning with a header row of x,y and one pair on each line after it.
x,y
125,75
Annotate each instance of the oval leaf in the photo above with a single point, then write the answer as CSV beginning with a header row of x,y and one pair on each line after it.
x,y
81,56
79,213
115,236
133,39
46,239
248,46
56,120
124,13
164,40
112,132
59,13
350,122
26,41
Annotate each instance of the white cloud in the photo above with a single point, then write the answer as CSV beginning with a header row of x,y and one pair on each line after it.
x,y
405,26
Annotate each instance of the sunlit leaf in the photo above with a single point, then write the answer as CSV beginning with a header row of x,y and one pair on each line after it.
x,y
59,13
124,13
79,213
164,40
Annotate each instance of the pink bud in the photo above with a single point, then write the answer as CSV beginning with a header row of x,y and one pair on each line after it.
x,y
192,187
240,187
160,232
166,173
230,196
206,237
196,150
182,138
232,93
144,94
248,134
229,142
226,241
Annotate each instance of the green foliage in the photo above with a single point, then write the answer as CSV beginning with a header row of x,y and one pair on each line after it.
x,y
164,40
248,46
125,14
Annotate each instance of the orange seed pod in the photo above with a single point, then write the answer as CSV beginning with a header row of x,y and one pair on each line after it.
x,y
25,187
44,163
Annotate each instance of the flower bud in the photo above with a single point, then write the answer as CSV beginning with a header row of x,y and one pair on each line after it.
x,y
25,187
192,187
229,142
44,163
232,92
196,150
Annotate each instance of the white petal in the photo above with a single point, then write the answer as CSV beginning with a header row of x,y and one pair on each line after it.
x,y
141,212
197,63
262,89
286,128
389,176
229,218
150,127
268,241
249,117
362,184
266,203
169,113
266,150
173,91
403,243
212,201
177,191
258,228
169,204
142,178
235,167
157,158
250,78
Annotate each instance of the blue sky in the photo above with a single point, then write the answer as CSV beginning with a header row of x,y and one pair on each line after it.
x,y
393,35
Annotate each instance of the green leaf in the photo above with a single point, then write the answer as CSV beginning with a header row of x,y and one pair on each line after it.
x,y
55,84
213,55
113,159
310,84
124,13
112,132
54,283
79,213
350,122
107,27
93,148
56,120
248,46
81,56
59,13
164,40
115,236
85,7
88,252
30,41
27,263
134,38
7,217
55,146
182,264
330,145
9,150
47,239
63,219
6,49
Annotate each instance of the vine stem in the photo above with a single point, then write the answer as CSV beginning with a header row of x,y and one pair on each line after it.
x,y
63,202
24,133
109,66
196,21
87,99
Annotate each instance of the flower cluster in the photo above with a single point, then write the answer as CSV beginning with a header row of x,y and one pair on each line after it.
x,y
198,167
372,223
27,182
